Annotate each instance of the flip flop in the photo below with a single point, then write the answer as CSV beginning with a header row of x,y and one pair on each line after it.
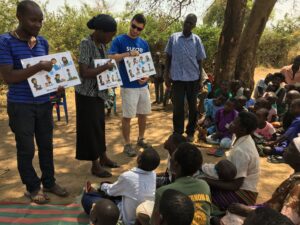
x,y
39,197
275,159
57,190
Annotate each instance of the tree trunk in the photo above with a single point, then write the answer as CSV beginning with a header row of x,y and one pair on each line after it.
x,y
246,60
225,60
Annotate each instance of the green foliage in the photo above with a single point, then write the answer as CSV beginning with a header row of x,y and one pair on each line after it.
x,y
210,38
278,43
7,15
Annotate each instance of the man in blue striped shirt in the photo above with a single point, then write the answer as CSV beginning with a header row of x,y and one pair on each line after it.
x,y
29,117
185,53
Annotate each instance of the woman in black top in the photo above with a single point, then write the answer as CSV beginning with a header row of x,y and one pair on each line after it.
x,y
89,100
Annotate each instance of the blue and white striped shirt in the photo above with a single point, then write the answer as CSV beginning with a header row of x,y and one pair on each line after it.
x,y
185,53
12,50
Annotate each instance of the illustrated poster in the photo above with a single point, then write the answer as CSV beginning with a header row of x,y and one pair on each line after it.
x,y
109,78
63,73
139,66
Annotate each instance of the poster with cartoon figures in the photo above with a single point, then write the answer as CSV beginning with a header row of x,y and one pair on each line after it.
x,y
139,66
63,73
109,78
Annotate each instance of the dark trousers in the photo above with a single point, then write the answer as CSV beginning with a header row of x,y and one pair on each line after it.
x,y
28,121
159,91
180,90
90,127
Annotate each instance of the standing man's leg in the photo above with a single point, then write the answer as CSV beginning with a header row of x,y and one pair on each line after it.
x,y
22,124
143,109
178,91
156,87
44,140
191,93
161,92
129,104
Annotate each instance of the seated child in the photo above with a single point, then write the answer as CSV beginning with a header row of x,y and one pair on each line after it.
x,y
288,118
104,212
278,146
211,107
224,89
265,130
240,103
236,88
135,186
223,119
170,145
250,101
223,170
261,86
277,87
272,99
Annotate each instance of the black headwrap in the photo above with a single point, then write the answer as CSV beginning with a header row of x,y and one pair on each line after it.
x,y
103,22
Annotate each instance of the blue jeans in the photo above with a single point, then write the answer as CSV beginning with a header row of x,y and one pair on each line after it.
x,y
29,121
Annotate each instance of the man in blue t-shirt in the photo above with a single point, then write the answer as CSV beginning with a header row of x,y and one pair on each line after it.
x,y
29,117
135,94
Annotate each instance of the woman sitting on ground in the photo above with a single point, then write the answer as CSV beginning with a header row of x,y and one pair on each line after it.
x,y
286,198
243,189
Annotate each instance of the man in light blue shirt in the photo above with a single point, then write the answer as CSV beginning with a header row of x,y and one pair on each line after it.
x,y
185,53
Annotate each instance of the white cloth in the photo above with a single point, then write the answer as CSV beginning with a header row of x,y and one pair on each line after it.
x,y
210,171
135,186
135,101
297,143
245,157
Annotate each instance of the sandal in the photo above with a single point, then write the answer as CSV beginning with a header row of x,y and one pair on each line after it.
x,y
57,190
38,197
102,174
275,159
211,151
219,152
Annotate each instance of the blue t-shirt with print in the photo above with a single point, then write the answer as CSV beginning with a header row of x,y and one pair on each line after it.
x,y
121,44
12,51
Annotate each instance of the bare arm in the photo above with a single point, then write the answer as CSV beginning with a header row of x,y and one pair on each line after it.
x,y
223,185
11,76
121,56
200,68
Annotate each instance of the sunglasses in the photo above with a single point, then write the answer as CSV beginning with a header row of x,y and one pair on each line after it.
x,y
133,26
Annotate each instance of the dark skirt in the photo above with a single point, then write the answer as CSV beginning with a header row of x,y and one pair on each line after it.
x,y
90,127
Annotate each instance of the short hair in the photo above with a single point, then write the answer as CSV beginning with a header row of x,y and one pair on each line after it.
x,y
279,76
176,208
140,18
103,22
24,5
149,159
177,139
189,158
193,16
266,216
263,103
248,121
264,111
296,102
226,170
105,210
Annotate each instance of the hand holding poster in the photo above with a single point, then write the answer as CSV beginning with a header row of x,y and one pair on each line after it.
x,y
108,78
139,66
63,73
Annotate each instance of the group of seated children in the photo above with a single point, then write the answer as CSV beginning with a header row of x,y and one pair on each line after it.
x,y
275,105
186,193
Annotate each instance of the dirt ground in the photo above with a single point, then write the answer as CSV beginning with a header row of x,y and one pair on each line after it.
x,y
73,174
